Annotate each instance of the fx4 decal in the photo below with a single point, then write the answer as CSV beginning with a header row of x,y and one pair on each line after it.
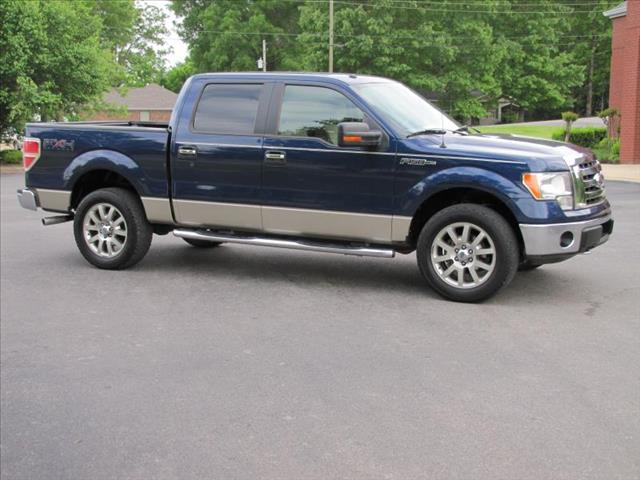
x,y
59,144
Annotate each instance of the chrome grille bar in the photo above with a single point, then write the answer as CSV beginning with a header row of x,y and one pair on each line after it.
x,y
588,185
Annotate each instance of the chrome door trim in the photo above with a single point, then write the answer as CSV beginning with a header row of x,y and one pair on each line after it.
x,y
231,145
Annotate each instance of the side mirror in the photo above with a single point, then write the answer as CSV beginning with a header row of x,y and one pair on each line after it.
x,y
357,134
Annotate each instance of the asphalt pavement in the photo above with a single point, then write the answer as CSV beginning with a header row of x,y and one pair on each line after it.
x,y
579,123
256,363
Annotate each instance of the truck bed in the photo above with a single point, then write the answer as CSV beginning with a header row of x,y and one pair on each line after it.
x,y
135,150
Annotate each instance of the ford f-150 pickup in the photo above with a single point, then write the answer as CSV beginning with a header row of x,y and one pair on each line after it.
x,y
337,163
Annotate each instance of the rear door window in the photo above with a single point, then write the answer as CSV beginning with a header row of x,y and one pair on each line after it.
x,y
226,108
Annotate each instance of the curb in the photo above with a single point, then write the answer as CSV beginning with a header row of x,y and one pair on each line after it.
x,y
625,173
11,169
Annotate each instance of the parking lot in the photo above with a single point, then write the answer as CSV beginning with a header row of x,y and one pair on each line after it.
x,y
242,362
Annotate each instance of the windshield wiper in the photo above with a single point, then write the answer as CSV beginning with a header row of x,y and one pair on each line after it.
x,y
466,128
428,131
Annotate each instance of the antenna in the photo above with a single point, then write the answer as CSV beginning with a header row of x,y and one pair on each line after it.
x,y
442,145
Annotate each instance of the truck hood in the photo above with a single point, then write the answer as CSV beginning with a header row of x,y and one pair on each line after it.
x,y
538,153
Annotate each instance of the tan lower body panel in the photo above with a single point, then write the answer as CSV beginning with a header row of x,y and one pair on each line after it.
x,y
54,199
158,210
400,228
325,223
383,229
214,214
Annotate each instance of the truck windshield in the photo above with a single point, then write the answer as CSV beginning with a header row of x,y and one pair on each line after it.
x,y
403,109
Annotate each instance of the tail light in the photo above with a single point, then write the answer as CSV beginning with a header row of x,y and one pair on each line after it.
x,y
30,152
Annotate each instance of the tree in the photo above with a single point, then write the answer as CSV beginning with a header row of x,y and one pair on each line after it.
x,y
471,53
51,60
591,48
176,76
535,71
425,47
227,34
569,118
135,37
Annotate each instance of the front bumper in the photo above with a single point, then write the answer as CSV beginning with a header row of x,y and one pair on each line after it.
x,y
28,199
565,239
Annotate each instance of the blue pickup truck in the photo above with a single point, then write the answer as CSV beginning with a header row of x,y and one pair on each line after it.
x,y
337,163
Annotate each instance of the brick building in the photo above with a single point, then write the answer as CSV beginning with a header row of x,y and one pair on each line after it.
x,y
624,88
152,103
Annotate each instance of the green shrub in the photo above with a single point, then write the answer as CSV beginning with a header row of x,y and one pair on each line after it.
x,y
509,117
585,137
12,157
608,150
615,147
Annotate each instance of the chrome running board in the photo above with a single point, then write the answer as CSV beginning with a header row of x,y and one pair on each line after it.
x,y
315,246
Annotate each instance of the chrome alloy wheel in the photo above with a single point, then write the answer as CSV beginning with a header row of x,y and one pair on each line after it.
x,y
463,255
105,230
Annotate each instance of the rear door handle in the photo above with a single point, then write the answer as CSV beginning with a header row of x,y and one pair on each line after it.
x,y
187,152
275,157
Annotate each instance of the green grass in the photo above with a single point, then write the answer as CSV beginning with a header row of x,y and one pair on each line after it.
x,y
540,131
11,157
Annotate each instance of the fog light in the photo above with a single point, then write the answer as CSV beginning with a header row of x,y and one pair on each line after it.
x,y
566,202
566,239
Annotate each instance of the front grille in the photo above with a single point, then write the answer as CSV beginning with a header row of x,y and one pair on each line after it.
x,y
589,183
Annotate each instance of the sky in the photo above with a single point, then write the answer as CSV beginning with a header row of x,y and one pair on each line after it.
x,y
180,48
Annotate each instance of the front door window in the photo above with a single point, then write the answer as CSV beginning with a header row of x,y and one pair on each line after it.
x,y
309,111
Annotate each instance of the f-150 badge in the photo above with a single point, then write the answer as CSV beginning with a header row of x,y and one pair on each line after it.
x,y
420,162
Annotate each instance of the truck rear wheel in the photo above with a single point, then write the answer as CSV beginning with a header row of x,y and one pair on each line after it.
x,y
111,229
467,252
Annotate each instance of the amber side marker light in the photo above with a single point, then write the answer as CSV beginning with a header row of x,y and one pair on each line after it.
x,y
531,182
352,138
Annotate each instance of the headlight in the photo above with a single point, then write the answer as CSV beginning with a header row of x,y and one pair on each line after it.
x,y
550,186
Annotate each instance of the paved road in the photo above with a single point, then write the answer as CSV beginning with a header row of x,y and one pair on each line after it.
x,y
581,122
245,363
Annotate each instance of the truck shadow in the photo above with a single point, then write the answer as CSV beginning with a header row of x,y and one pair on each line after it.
x,y
303,269
399,276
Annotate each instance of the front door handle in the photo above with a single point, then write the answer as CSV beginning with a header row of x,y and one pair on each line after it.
x,y
187,152
275,157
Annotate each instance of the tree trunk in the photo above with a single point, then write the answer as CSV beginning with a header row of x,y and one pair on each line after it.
x,y
588,109
567,132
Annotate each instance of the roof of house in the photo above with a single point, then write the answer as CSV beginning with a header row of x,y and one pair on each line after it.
x,y
617,11
151,97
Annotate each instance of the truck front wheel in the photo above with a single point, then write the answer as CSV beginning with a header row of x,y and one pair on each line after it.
x,y
467,252
111,229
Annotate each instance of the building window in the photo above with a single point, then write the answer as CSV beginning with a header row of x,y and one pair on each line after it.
x,y
144,116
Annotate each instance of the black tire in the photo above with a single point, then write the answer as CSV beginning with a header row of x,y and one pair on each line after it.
x,y
201,243
139,231
504,241
527,266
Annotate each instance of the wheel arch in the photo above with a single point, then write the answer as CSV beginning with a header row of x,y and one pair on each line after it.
x,y
92,180
456,195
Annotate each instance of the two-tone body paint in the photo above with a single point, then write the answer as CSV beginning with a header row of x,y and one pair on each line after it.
x,y
138,154
321,189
